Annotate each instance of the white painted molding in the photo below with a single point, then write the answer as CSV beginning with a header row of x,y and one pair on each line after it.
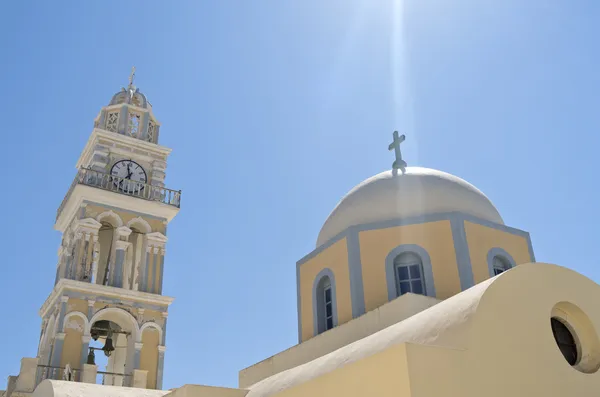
x,y
60,336
88,225
145,226
156,238
151,324
165,314
122,245
131,144
86,338
91,302
64,299
109,313
138,345
110,215
101,290
80,315
162,349
82,193
123,231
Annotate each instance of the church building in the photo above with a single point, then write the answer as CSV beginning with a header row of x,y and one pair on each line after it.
x,y
415,288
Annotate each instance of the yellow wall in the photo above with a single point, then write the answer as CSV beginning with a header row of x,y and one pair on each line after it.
x,y
149,355
77,305
336,259
434,237
71,352
481,239
384,374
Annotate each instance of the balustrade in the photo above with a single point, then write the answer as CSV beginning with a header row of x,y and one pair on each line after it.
x,y
121,185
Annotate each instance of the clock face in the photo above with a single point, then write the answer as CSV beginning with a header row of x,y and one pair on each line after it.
x,y
128,176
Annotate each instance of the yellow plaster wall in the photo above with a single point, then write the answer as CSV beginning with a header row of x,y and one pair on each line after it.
x,y
149,355
434,237
77,305
481,239
384,374
71,353
335,258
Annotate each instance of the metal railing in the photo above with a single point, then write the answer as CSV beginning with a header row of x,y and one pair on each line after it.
x,y
57,373
114,379
104,181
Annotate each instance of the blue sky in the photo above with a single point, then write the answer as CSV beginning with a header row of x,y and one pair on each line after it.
x,y
274,110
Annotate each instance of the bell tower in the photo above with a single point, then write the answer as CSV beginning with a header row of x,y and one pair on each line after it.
x,y
106,303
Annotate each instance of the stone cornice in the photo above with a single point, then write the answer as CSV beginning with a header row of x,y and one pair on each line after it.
x,y
133,143
103,290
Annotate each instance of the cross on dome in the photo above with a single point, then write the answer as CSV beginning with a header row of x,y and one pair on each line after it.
x,y
395,145
131,87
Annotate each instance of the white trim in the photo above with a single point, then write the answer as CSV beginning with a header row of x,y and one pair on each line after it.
x,y
102,290
81,193
76,314
123,231
140,221
112,215
157,237
130,142
104,314
150,324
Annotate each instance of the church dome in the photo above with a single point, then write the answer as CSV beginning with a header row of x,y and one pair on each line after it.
x,y
415,192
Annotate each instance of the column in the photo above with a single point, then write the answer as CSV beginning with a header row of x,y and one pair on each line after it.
x,y
95,256
143,286
157,178
164,327
161,264
136,357
90,312
85,274
140,378
62,313
85,345
121,250
59,266
89,373
155,264
159,370
59,340
75,256
68,260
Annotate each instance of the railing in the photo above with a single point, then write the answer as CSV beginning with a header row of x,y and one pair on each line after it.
x,y
114,379
57,373
125,186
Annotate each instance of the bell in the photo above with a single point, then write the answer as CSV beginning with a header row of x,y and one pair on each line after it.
x,y
91,357
108,346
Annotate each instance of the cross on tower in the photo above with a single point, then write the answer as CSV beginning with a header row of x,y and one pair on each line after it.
x,y
132,76
395,145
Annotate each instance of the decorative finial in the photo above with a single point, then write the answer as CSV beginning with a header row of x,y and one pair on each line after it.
x,y
131,76
395,145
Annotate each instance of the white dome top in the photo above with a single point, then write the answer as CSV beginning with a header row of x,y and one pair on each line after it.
x,y
418,191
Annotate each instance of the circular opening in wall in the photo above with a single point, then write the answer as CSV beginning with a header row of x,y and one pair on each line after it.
x,y
565,340
576,337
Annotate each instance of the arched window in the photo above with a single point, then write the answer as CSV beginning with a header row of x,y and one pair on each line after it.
x,y
408,269
499,261
500,265
324,303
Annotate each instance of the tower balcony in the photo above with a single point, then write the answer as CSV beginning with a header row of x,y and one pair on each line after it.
x,y
104,188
